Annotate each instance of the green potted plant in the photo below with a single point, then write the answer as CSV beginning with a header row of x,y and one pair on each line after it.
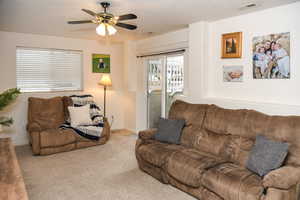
x,y
6,98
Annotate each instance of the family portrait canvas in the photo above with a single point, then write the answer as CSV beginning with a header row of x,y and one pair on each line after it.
x,y
232,45
233,73
101,63
271,56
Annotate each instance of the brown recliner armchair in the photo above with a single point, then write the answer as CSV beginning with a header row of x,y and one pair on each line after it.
x,y
44,118
210,162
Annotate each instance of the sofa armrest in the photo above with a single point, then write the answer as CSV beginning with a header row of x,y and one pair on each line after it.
x,y
33,127
147,134
283,178
35,142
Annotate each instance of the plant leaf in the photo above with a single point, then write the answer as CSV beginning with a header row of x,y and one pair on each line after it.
x,y
5,121
8,97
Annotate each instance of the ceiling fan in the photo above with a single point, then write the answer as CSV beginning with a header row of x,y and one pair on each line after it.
x,y
106,21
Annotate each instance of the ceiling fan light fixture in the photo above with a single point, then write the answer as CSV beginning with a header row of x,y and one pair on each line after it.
x,y
107,22
101,30
111,30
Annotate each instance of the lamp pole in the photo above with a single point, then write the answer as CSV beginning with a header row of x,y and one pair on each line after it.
x,y
104,100
105,81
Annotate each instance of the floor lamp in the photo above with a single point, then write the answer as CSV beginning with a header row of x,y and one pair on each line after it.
x,y
105,81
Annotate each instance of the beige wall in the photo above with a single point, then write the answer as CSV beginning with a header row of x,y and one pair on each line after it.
x,y
204,74
130,79
8,43
135,73
268,96
275,20
127,98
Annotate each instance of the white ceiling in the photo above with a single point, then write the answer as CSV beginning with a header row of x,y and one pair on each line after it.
x,y
49,17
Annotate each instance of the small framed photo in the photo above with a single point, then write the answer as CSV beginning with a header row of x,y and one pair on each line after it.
x,y
232,45
233,73
101,63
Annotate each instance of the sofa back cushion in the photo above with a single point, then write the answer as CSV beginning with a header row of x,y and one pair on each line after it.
x,y
48,113
238,149
280,128
212,142
67,101
224,121
193,114
243,125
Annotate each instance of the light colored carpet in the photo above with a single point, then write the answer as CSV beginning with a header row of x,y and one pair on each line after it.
x,y
107,172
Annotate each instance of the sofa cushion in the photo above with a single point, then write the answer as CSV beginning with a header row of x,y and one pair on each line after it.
x,y
266,155
56,137
156,153
188,165
211,142
286,129
67,101
47,113
224,121
238,149
249,123
193,114
169,130
231,181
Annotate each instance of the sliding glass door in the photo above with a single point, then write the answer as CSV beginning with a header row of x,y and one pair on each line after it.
x,y
165,80
154,90
174,80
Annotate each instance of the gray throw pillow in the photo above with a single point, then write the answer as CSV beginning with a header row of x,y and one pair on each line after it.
x,y
169,130
266,155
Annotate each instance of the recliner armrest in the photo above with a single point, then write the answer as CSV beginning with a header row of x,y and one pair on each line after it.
x,y
282,178
147,134
35,142
33,127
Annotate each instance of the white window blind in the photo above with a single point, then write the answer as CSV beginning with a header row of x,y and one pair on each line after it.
x,y
44,70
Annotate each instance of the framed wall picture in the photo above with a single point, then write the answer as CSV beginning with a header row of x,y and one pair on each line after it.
x,y
101,63
232,45
233,73
271,56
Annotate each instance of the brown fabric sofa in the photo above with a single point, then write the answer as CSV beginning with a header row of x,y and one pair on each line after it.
x,y
44,118
215,144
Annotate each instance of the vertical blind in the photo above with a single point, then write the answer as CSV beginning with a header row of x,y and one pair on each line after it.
x,y
45,70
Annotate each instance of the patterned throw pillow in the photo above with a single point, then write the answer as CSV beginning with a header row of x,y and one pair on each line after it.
x,y
266,155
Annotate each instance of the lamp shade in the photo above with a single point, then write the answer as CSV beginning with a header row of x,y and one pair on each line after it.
x,y
105,80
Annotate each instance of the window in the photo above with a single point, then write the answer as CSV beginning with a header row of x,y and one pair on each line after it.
x,y
45,70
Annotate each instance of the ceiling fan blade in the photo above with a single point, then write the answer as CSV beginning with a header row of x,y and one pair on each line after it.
x,y
127,26
89,12
127,17
80,22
